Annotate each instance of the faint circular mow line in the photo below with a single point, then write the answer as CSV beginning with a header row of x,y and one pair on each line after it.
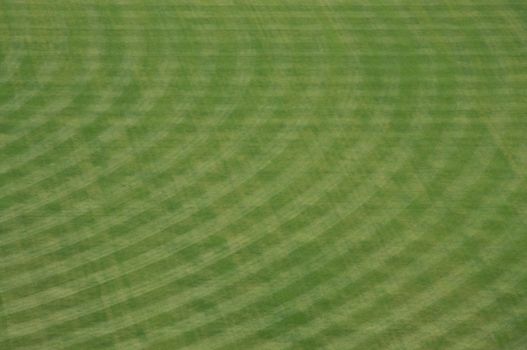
x,y
466,174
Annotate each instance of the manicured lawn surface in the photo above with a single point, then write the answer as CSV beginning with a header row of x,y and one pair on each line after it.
x,y
263,174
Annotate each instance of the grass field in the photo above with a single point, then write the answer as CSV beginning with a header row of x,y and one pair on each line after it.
x,y
263,174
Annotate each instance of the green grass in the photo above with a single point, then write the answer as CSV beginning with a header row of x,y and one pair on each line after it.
x,y
263,174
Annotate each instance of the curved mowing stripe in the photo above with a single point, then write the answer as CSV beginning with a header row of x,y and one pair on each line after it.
x,y
263,175
227,346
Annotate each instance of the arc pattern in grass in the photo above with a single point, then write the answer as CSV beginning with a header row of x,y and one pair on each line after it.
x,y
263,174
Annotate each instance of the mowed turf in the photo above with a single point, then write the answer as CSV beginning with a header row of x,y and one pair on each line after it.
x,y
263,174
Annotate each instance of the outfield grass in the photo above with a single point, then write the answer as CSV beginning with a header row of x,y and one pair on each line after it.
x,y
263,174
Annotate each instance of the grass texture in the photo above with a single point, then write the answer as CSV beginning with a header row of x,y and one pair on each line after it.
x,y
263,174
